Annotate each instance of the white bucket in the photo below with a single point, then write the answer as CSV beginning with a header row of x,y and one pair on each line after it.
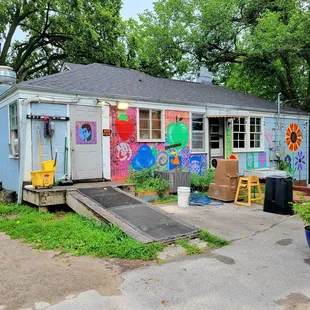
x,y
183,197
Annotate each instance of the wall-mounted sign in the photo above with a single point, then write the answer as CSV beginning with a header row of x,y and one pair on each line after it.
x,y
106,132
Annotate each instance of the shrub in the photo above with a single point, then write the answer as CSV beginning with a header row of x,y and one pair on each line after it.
x,y
145,181
303,210
203,180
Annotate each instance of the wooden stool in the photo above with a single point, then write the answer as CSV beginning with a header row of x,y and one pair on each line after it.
x,y
248,183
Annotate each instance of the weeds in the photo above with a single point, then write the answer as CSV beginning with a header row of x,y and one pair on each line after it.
x,y
212,240
191,249
72,234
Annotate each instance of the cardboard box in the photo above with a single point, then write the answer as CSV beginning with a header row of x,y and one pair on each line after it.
x,y
227,180
226,167
221,192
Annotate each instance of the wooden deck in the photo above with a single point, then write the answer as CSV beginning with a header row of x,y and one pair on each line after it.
x,y
57,195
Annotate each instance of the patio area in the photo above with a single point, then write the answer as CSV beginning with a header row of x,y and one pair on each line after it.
x,y
229,220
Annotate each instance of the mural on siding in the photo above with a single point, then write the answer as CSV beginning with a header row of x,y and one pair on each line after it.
x,y
262,160
85,132
300,160
228,143
250,160
269,135
127,154
293,137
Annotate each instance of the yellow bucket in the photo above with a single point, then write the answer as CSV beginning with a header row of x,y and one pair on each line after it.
x,y
42,178
48,165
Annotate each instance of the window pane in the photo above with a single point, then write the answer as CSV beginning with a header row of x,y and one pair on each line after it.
x,y
257,143
241,144
198,141
197,122
156,134
144,134
215,145
242,128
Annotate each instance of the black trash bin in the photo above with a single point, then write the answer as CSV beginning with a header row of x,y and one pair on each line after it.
x,y
278,195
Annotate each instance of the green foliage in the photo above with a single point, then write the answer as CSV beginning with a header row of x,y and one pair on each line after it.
x,y
203,180
191,249
303,210
257,47
145,181
57,31
72,234
283,165
212,240
162,200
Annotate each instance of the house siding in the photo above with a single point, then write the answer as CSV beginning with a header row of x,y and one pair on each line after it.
x,y
265,159
127,154
9,173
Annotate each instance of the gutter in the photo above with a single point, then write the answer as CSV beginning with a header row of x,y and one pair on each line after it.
x,y
23,130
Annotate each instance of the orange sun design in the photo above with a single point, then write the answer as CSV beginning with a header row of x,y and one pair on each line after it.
x,y
293,137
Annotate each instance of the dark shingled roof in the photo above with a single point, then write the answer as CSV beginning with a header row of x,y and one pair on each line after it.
x,y
121,83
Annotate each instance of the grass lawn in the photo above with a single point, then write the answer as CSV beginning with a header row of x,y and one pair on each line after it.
x,y
72,234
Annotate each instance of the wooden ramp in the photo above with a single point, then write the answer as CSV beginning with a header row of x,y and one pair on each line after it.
x,y
138,219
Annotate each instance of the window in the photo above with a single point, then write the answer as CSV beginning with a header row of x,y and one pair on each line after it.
x,y
247,134
198,133
150,125
255,132
239,133
13,117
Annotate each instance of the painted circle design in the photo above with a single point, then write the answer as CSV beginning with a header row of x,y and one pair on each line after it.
x,y
293,137
162,159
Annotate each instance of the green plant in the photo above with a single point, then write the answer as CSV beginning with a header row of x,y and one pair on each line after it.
x,y
191,249
303,210
72,234
283,165
167,199
145,181
203,180
212,240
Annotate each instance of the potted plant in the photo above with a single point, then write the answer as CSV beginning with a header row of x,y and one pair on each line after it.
x,y
303,210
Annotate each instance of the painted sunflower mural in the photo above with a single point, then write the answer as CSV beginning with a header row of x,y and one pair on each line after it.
x,y
293,137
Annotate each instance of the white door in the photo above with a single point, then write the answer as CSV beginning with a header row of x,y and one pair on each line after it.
x,y
86,142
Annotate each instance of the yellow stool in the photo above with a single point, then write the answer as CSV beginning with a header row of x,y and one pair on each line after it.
x,y
248,183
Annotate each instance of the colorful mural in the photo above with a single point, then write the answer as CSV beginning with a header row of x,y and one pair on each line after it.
x,y
250,160
262,160
269,134
300,160
127,154
228,144
85,132
293,137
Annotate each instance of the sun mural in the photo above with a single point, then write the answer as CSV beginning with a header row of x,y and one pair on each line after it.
x,y
293,137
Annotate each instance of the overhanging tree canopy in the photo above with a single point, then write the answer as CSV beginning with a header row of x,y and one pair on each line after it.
x,y
73,30
260,47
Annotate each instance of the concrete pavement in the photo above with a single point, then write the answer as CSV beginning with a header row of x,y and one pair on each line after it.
x,y
268,269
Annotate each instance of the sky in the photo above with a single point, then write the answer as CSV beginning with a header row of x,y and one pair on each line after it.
x,y
132,7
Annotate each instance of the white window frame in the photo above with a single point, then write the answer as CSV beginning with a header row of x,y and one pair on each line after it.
x,y
162,138
248,147
12,129
205,134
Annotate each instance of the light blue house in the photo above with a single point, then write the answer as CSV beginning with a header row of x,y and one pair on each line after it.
x,y
166,124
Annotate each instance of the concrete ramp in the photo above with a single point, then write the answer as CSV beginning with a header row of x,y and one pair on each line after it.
x,y
138,219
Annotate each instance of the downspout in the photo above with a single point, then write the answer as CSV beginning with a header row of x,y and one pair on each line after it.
x,y
23,130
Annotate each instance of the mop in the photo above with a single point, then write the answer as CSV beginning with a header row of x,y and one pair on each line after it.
x,y
65,180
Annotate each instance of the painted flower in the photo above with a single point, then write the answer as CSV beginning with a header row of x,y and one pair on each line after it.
x,y
300,160
293,137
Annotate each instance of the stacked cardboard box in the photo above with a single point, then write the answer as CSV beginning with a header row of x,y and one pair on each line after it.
x,y
226,180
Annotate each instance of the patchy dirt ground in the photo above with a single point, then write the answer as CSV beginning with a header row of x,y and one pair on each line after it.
x,y
29,276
